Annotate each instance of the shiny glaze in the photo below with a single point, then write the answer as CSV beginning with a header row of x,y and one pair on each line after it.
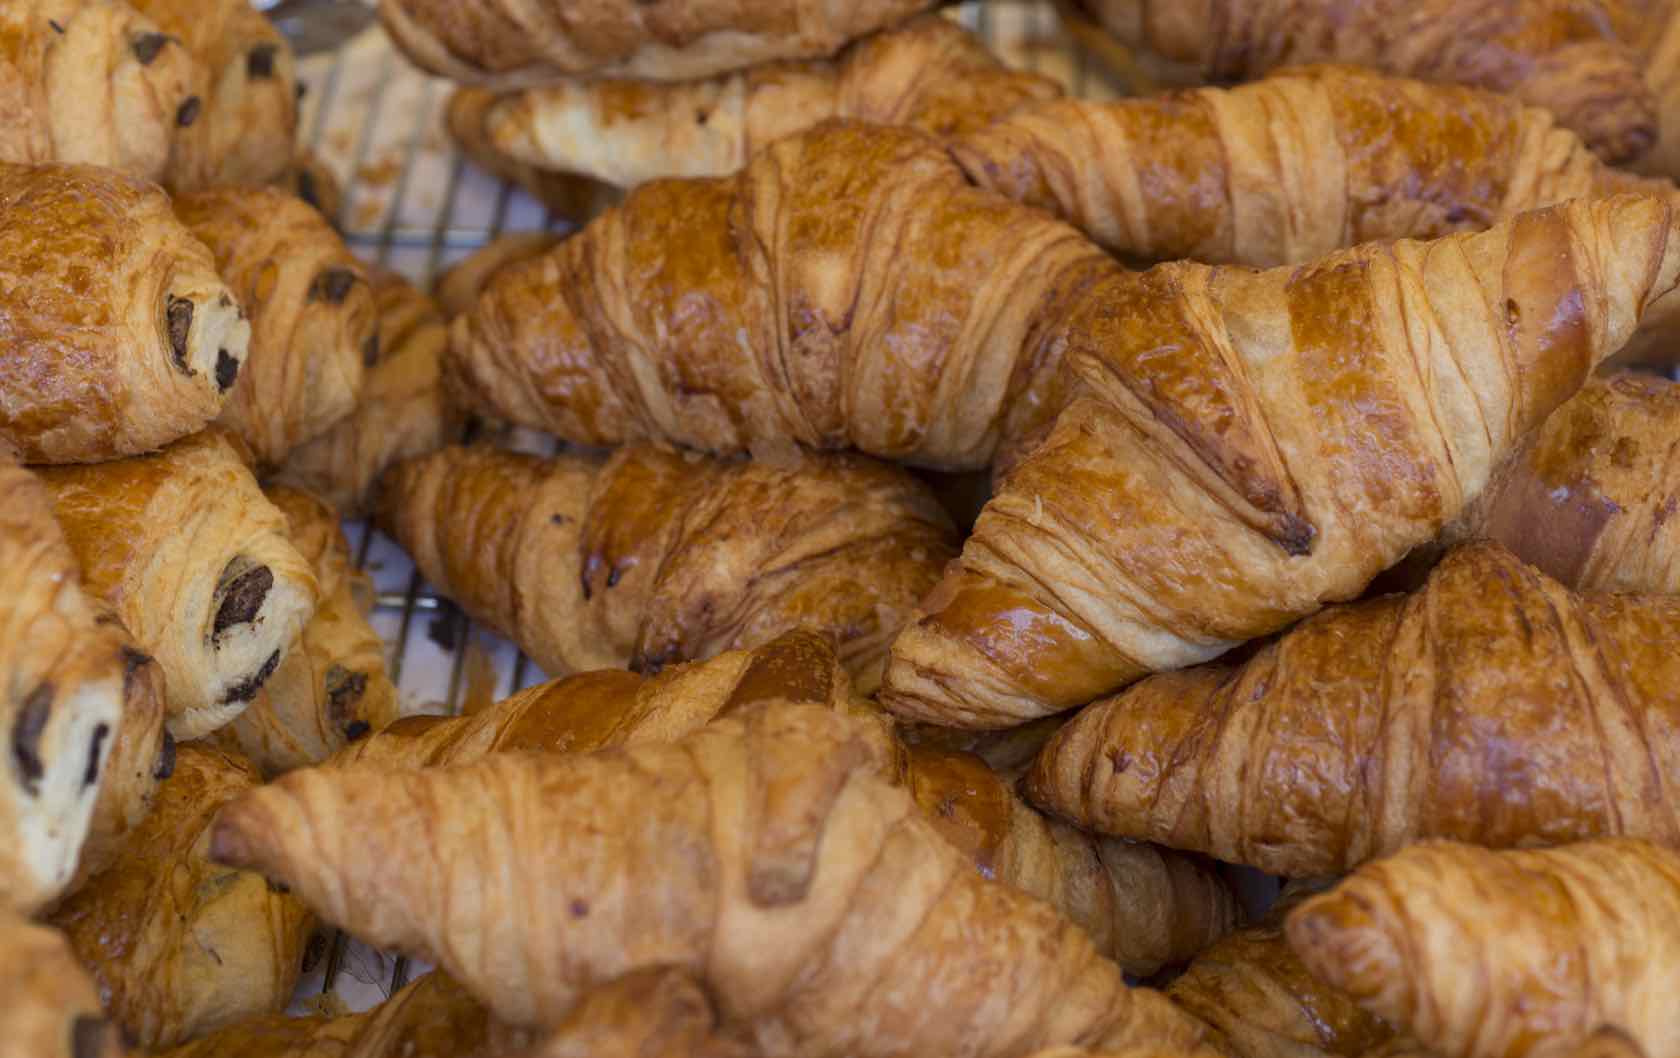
x,y
966,802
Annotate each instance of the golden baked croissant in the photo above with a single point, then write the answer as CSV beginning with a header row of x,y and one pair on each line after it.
x,y
1243,447
178,945
332,688
1556,54
1590,496
847,289
569,195
1511,953
61,699
309,178
403,411
1287,168
314,325
248,81
196,562
457,290
91,81
769,854
120,336
929,73
650,557
509,45
659,1011
1493,706
48,1007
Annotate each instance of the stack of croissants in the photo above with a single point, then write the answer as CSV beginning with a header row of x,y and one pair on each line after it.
x,y
990,535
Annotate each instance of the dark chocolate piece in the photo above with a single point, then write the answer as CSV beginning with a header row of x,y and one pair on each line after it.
x,y
227,370
180,316
260,63
166,758
189,111
100,734
243,595
333,285
26,737
147,46
244,692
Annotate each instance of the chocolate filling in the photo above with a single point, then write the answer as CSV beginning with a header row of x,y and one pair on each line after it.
x,y
344,690
244,692
147,46
358,730
260,63
100,734
90,1036
26,737
370,350
180,316
188,112
332,285
133,661
166,758
227,370
243,595
306,186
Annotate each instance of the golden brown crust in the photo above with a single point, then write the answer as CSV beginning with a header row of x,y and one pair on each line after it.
x,y
929,74
657,1011
518,44
459,288
310,178
403,411
650,557
92,82
314,325
577,198
1288,168
118,335
1492,706
178,945
1244,447
847,289
48,1007
768,854
1482,953
1556,54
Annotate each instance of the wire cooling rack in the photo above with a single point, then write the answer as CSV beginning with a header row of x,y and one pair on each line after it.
x,y
413,204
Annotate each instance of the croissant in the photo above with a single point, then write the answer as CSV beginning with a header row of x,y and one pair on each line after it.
x,y
248,81
195,561
309,178
650,557
847,289
1493,706
1512,953
658,1011
331,689
178,945
567,195
1557,54
1241,448
119,335
403,411
61,699
91,81
507,45
929,73
314,325
769,854
458,289
48,1007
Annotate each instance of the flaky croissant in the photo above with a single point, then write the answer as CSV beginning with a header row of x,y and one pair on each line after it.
x,y
1493,706
658,1011
402,412
92,82
314,325
458,289
48,1007
568,195
1556,54
1242,447
847,289
929,74
1483,953
61,699
769,854
513,44
119,335
332,688
196,562
178,945
650,557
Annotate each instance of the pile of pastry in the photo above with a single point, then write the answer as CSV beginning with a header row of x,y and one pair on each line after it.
x,y
984,517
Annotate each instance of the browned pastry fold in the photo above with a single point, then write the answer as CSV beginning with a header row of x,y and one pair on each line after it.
x,y
1242,447
1590,498
568,195
196,562
178,945
314,325
457,290
769,854
1493,706
116,334
1557,54
94,82
403,411
332,688
509,44
649,557
309,178
1288,168
929,74
48,1007
1515,953
847,289
247,79
61,700
657,1011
